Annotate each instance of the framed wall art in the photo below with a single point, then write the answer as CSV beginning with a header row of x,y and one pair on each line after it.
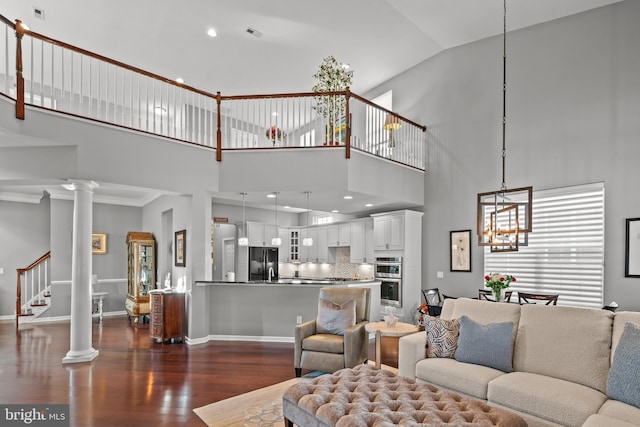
x,y
460,250
180,248
98,243
632,248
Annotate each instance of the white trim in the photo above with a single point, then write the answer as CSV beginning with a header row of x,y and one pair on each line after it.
x,y
253,338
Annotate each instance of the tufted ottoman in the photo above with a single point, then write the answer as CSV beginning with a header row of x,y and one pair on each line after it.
x,y
368,397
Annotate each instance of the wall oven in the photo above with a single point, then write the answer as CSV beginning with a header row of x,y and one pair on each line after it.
x,y
388,270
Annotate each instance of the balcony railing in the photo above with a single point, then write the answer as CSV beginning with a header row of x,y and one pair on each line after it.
x,y
50,74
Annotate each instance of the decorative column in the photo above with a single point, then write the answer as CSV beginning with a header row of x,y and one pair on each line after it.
x,y
80,346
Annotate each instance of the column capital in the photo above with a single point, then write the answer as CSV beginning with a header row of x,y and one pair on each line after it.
x,y
80,185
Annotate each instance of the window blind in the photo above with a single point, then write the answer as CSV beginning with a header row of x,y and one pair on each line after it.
x,y
565,254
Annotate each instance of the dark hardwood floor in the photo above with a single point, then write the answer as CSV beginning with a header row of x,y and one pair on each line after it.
x,y
134,381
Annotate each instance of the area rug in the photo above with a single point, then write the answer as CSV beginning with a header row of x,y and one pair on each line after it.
x,y
262,407
258,408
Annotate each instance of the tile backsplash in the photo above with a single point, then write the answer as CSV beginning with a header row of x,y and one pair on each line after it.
x,y
342,268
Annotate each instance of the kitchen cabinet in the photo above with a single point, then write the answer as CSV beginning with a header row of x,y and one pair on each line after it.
x,y
141,273
339,234
260,234
167,315
389,232
362,250
319,251
289,250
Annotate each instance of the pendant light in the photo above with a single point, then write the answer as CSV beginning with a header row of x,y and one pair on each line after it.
x,y
504,216
243,241
307,241
276,241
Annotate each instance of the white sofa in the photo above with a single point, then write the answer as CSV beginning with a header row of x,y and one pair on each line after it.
x,y
561,360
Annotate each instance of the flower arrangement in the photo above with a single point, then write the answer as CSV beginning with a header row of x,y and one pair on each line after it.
x,y
497,282
275,133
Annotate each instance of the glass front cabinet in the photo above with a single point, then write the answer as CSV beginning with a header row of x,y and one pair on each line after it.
x,y
141,273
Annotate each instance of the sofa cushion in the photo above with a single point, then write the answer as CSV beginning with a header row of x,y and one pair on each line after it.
x,y
334,318
621,411
597,420
461,377
623,383
484,312
552,399
569,343
488,345
326,343
442,337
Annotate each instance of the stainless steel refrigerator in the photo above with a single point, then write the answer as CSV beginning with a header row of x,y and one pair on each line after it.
x,y
263,262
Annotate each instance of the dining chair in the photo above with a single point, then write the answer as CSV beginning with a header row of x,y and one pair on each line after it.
x,y
486,295
530,298
434,301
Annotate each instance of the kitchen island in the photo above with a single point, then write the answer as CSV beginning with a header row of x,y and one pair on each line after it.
x,y
260,310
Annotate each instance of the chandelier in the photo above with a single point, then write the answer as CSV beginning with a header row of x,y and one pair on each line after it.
x,y
504,215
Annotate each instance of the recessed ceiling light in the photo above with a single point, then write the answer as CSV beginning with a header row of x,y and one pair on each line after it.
x,y
369,205
287,207
348,197
335,211
159,110
211,32
271,195
180,80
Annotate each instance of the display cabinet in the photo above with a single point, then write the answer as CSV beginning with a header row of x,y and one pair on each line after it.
x,y
141,273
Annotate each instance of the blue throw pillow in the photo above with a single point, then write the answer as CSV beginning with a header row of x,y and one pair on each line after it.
x,y
623,383
487,345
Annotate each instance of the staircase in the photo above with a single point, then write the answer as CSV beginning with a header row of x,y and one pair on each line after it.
x,y
33,290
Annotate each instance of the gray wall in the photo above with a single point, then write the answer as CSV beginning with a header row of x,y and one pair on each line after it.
x,y
114,220
573,99
24,237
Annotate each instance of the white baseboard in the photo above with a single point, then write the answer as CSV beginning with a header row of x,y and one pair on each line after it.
x,y
203,340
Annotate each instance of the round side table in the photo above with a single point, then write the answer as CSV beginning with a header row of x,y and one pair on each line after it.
x,y
382,329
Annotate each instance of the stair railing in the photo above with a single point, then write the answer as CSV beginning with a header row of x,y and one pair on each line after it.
x,y
45,73
32,286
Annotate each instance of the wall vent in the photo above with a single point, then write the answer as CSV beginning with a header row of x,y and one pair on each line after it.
x,y
254,32
38,13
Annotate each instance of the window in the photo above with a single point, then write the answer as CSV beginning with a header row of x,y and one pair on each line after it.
x,y
565,254
321,220
308,139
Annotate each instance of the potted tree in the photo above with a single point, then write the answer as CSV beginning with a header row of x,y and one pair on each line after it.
x,y
332,76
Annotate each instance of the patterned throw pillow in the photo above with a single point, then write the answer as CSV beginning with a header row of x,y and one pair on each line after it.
x,y
442,337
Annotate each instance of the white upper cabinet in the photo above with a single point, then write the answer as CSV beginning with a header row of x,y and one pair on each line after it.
x,y
339,234
260,234
362,250
389,232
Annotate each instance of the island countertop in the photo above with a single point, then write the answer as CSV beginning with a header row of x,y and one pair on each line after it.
x,y
261,310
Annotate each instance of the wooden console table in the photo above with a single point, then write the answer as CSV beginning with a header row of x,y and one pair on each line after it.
x,y
167,315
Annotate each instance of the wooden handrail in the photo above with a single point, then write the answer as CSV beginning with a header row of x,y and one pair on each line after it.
x,y
31,266
19,77
35,263
373,104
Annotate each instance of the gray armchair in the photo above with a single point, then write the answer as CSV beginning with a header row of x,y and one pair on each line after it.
x,y
328,352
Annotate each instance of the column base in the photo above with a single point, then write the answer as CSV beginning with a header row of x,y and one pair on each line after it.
x,y
80,356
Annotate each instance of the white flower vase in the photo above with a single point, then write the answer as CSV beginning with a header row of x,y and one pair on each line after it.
x,y
498,294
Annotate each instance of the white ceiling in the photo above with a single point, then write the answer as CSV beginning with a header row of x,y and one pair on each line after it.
x,y
378,38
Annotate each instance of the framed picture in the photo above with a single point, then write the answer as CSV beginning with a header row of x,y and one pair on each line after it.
x,y
98,243
460,250
180,248
632,248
